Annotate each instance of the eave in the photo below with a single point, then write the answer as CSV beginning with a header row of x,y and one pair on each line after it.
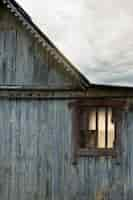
x,y
45,42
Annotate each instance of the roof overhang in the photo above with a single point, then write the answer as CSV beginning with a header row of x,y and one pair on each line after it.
x,y
46,43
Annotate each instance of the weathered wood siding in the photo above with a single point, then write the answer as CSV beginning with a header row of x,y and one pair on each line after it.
x,y
36,156
36,135
35,150
23,61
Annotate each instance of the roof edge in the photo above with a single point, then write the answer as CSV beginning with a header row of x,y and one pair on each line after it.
x,y
46,43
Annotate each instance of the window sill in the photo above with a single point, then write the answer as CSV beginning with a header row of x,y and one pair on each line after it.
x,y
97,152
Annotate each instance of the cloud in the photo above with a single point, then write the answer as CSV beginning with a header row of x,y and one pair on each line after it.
x,y
95,35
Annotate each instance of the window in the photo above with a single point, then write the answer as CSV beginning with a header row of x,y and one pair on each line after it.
x,y
96,127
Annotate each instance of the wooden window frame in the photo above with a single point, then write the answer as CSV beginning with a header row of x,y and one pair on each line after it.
x,y
116,105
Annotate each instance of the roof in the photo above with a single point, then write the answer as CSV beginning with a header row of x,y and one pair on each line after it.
x,y
27,22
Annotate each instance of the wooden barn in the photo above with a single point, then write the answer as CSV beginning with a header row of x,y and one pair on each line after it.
x,y
61,137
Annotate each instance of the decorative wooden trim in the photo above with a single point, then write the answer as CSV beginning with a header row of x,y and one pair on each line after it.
x,y
102,103
73,94
38,93
97,152
42,39
75,134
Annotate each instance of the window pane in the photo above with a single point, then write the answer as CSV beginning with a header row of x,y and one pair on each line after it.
x,y
111,129
92,119
101,128
96,128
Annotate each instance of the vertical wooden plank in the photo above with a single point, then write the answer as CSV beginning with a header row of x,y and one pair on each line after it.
x,y
35,156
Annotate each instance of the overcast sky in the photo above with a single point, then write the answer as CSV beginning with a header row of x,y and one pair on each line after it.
x,y
96,36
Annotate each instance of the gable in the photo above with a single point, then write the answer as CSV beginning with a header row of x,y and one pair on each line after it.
x,y
23,61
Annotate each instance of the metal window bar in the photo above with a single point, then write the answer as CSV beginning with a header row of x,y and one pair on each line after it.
x,y
92,130
97,127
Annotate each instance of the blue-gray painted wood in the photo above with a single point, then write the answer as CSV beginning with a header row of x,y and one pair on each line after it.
x,y
36,135
23,61
36,156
